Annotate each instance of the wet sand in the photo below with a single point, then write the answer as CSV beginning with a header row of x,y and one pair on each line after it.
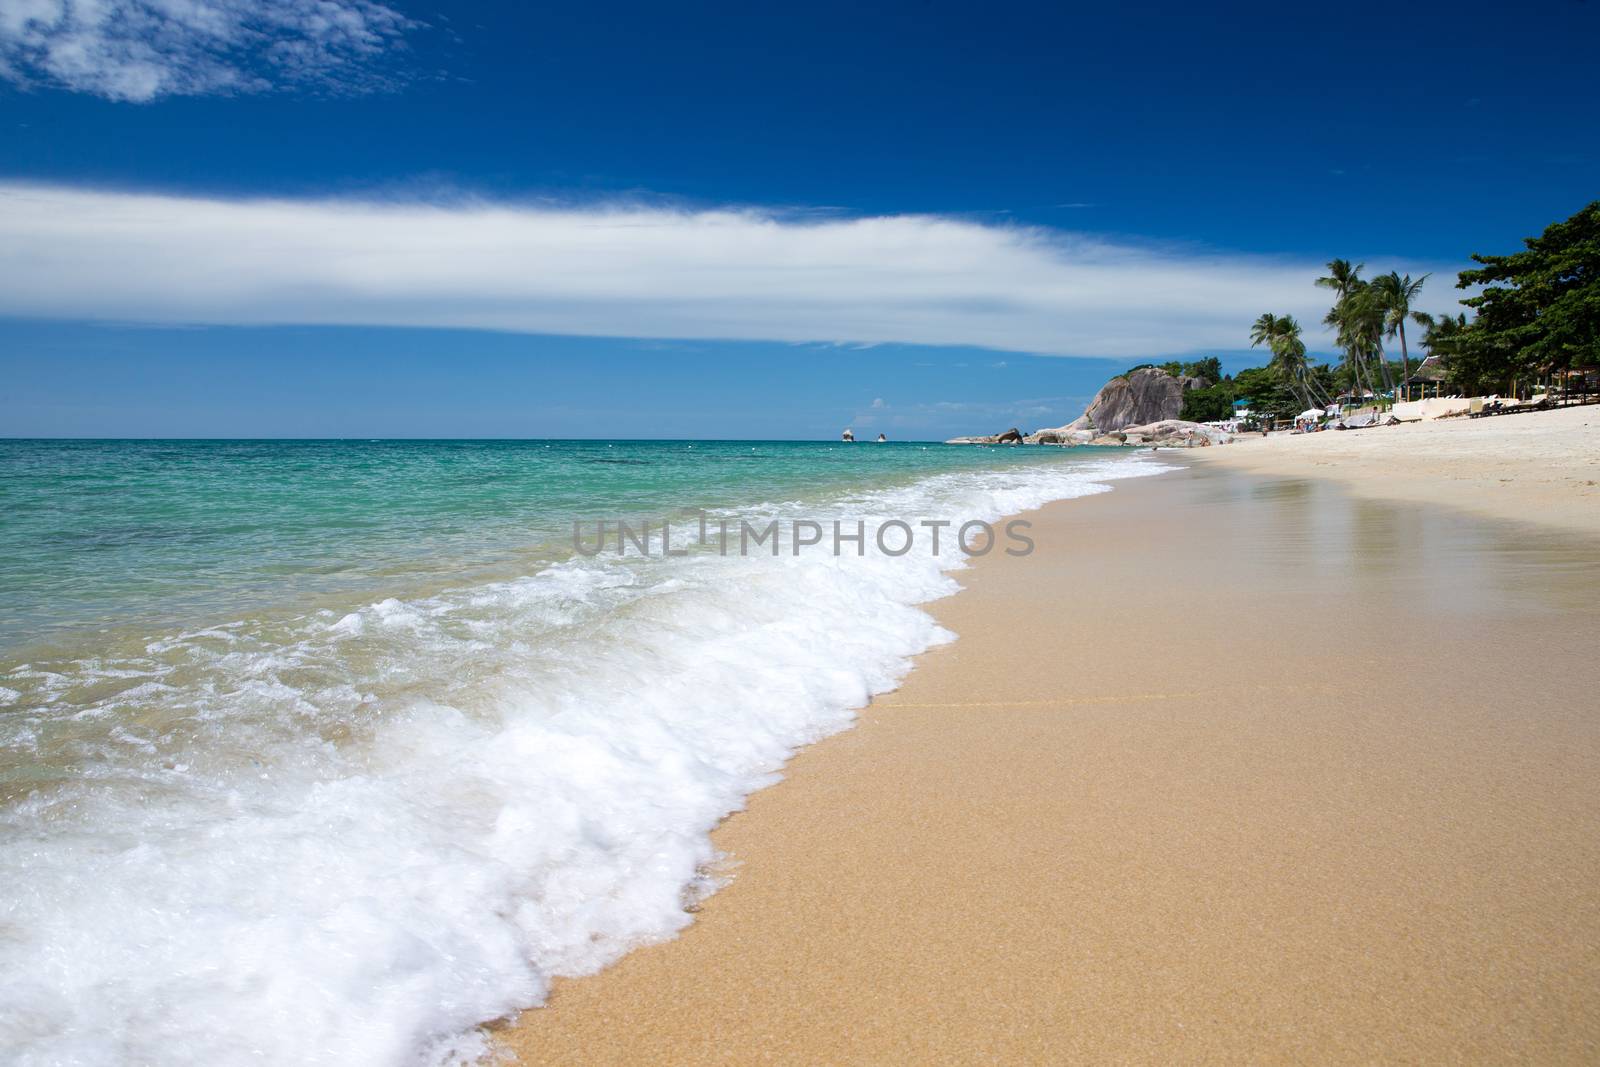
x,y
1234,767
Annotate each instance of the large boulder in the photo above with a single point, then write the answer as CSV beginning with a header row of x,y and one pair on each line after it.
x,y
1137,398
1175,433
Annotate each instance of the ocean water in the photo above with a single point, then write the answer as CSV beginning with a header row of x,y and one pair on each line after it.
x,y
331,752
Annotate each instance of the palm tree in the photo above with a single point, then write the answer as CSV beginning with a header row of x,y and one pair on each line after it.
x,y
1395,295
1281,336
1440,333
1342,278
1359,318
1289,356
1345,281
1264,331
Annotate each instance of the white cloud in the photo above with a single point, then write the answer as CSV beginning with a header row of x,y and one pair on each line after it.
x,y
632,271
137,50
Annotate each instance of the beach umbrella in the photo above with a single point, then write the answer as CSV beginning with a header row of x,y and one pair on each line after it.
x,y
1309,413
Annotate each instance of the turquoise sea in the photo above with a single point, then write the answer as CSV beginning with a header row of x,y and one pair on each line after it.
x,y
333,751
149,533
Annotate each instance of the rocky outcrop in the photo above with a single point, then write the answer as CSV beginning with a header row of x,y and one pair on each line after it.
x,y
1175,433
1135,399
1012,436
1137,408
1168,433
848,435
1060,436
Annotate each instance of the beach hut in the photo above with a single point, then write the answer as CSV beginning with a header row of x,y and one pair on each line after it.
x,y
1429,379
1578,384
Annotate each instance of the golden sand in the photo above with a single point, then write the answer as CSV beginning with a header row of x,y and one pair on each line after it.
x,y
1542,467
1232,768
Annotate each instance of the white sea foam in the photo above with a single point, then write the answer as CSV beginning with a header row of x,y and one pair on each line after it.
x,y
353,837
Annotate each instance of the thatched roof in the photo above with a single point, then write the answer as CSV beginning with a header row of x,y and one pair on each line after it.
x,y
1431,369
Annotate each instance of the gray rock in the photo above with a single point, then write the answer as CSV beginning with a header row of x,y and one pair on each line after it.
x,y
1133,399
1133,402
1142,396
1175,433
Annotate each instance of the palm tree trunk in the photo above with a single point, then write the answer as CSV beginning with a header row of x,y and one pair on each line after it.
x,y
1383,372
1357,383
1405,359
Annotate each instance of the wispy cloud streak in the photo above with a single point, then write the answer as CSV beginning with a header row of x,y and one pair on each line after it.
x,y
631,271
137,50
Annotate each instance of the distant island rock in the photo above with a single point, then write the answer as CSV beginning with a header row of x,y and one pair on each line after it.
x,y
847,436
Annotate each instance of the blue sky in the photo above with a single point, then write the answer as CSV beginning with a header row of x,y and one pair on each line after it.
x,y
719,221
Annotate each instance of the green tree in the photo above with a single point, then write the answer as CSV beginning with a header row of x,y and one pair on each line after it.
x,y
1441,337
1540,308
1209,368
1281,335
1269,397
1442,334
1344,278
1395,294
1264,331
1357,318
1289,356
1212,403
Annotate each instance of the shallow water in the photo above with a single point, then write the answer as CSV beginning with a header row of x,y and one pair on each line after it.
x,y
333,751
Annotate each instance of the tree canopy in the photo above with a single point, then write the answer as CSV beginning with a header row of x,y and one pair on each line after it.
x,y
1539,308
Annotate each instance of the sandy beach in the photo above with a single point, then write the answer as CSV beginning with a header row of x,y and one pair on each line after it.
x,y
1241,764
1542,467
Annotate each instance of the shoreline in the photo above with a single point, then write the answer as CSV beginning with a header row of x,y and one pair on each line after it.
x,y
1139,810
